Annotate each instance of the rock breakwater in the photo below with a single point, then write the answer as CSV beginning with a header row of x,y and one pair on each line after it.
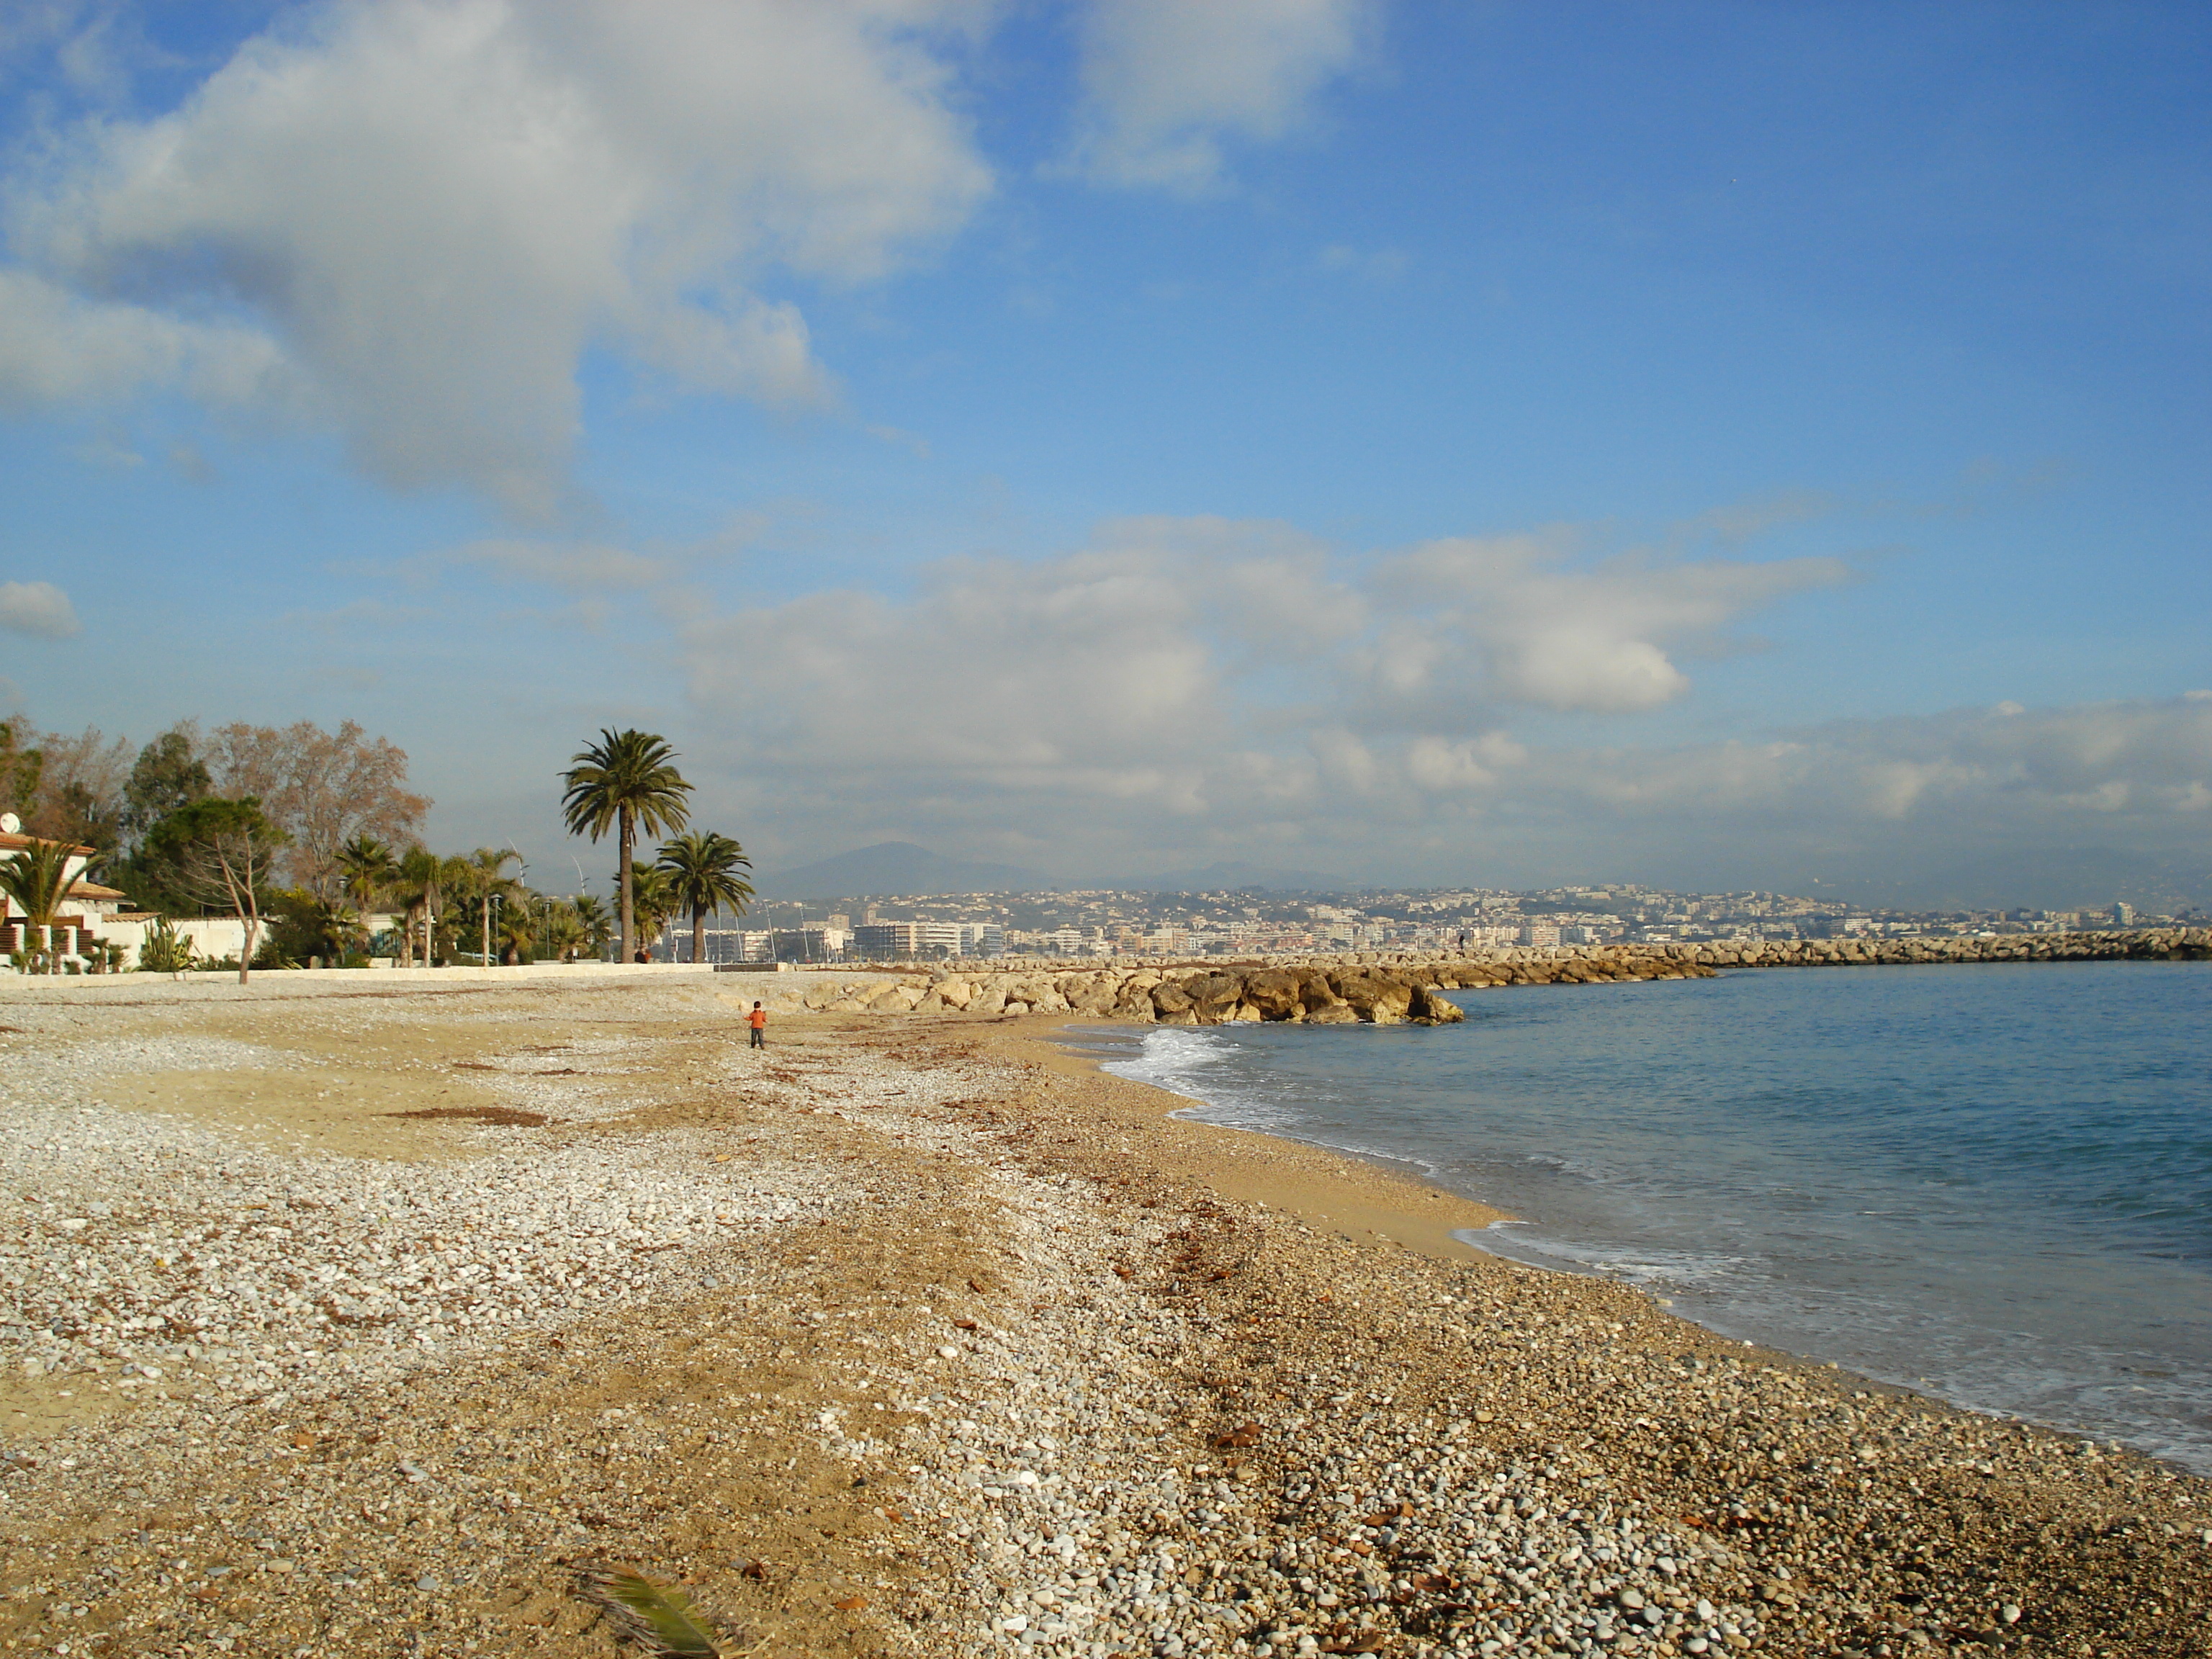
x,y
2137,945
1389,989
1401,991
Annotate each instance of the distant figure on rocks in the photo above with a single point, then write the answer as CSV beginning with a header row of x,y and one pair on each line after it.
x,y
758,1020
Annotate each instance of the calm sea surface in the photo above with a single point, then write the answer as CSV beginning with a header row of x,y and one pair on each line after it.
x,y
1993,1183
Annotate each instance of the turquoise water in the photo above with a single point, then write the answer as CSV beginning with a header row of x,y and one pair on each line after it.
x,y
1993,1183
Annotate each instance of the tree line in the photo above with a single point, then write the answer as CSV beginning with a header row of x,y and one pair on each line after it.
x,y
305,835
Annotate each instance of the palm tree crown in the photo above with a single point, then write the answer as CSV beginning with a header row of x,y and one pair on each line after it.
x,y
704,866
627,781
369,868
36,881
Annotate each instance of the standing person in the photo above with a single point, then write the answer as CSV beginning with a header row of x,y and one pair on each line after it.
x,y
758,1020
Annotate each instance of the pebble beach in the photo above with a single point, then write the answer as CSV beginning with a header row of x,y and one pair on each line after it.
x,y
390,1321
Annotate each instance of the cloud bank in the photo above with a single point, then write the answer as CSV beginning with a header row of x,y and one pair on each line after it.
x,y
410,220
1182,690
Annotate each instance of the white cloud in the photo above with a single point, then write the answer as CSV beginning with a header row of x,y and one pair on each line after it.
x,y
60,347
1510,619
1201,679
1165,82
427,210
37,608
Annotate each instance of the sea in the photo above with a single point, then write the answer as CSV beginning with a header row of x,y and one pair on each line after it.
x,y
1991,1184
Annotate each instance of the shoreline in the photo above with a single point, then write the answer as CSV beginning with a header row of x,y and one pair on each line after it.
x,y
912,1337
1387,1202
1897,1370
1403,1206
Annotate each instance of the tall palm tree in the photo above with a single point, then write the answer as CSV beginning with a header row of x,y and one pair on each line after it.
x,y
453,877
418,881
484,872
36,881
704,866
626,781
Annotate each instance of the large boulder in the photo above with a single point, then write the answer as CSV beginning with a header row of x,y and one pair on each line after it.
x,y
1133,997
1274,993
1215,996
1430,1005
1170,1001
1092,993
1373,996
1313,993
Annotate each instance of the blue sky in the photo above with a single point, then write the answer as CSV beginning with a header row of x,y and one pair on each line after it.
x,y
1724,444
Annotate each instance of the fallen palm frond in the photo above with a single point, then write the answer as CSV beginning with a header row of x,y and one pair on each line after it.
x,y
657,1614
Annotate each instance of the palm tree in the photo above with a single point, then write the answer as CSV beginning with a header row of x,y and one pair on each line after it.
x,y
626,780
653,894
564,930
343,926
517,932
592,917
418,881
36,881
484,873
703,868
367,867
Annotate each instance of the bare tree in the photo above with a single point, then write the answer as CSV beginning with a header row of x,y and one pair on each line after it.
x,y
321,789
22,761
223,851
80,792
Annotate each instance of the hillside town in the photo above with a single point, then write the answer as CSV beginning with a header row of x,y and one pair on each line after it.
x,y
1115,923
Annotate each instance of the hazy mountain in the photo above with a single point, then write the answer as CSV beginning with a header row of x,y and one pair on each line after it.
x,y
896,869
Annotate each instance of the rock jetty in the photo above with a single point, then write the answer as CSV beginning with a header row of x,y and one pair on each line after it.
x,y
1313,993
1387,988
2133,945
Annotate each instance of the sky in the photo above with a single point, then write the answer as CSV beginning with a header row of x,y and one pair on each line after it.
x,y
1724,446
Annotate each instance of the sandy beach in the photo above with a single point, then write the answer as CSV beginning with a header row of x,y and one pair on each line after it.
x,y
381,1320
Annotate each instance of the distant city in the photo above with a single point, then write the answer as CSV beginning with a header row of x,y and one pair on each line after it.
x,y
1113,923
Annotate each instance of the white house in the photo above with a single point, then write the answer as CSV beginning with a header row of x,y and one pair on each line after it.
x,y
96,917
74,927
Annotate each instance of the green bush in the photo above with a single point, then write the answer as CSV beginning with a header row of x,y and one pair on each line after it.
x,y
164,951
